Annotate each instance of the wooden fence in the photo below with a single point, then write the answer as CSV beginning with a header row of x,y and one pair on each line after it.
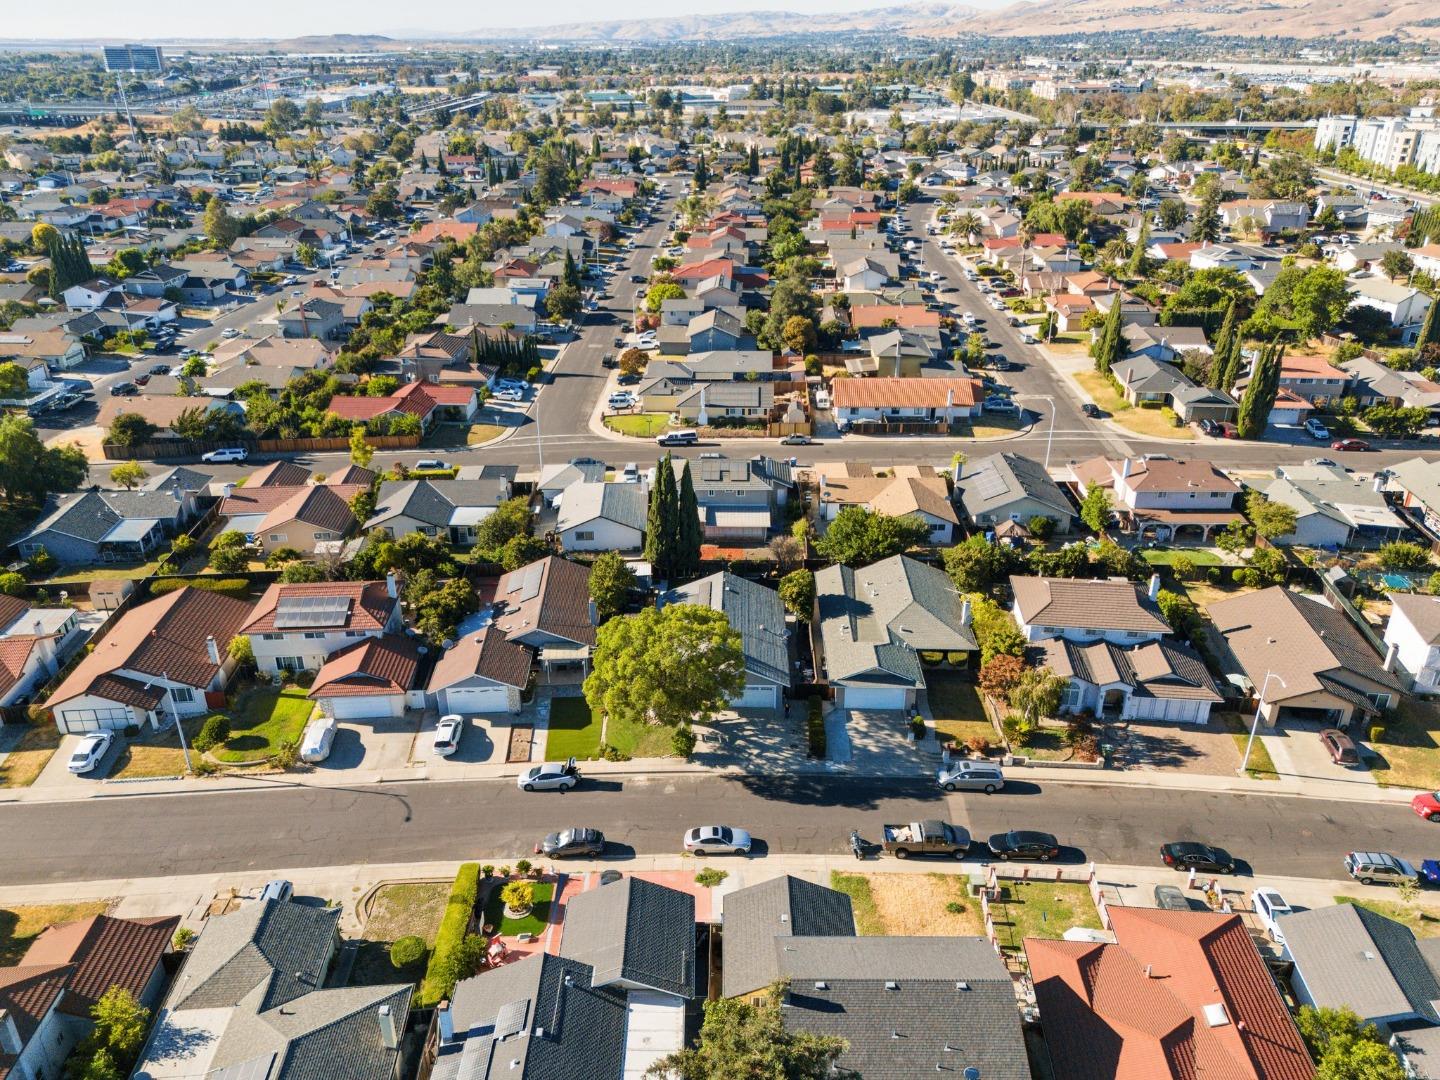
x,y
192,448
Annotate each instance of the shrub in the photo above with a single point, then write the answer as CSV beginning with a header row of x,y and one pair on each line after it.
x,y
978,745
183,939
523,866
682,741
1377,732
1019,730
231,586
488,870
1087,748
287,754
931,658
12,584
917,727
202,766
518,895
609,753
1041,527
815,729
450,937
305,679
214,732
407,950
954,907
710,877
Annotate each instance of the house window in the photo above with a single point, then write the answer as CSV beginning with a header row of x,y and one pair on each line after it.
x,y
277,537
585,534
1073,698
1133,634
290,663
354,633
182,695
315,635
272,637
1380,701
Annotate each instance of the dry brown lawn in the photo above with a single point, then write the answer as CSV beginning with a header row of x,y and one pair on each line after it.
x,y
31,753
911,904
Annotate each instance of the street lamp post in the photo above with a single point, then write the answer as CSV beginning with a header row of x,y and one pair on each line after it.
x,y
1050,430
1255,723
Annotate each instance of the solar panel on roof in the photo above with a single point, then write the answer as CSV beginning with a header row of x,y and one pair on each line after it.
x,y
475,1058
989,484
525,585
297,611
510,1020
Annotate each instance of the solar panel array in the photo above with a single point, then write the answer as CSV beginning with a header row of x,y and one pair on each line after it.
x,y
294,612
525,584
989,483
475,1058
510,1020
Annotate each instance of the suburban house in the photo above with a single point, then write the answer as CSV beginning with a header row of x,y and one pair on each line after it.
x,y
909,490
104,526
1145,378
875,622
1317,664
602,516
1087,609
1403,305
1010,487
1166,497
546,607
34,645
369,679
1372,383
308,520
1332,507
249,1002
1176,995
297,627
483,672
45,1000
738,498
906,1006
1414,633
1419,484
757,614
905,401
429,402
161,660
450,509
282,493
1158,680
609,1004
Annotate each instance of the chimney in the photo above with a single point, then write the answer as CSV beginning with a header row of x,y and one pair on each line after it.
x,y
1390,655
594,614
213,650
1154,589
966,615
1124,468
389,1034
392,588
228,490
9,1034
1378,484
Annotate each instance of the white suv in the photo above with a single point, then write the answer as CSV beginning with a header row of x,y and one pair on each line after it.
x,y
224,454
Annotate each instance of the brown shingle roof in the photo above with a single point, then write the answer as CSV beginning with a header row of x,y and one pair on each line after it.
x,y
106,952
1086,603
488,654
321,505
278,474
162,637
378,665
558,603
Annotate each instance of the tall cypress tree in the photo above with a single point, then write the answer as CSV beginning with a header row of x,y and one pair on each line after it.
x,y
1259,396
660,522
1107,349
1430,328
1224,343
691,536
1136,266
1235,362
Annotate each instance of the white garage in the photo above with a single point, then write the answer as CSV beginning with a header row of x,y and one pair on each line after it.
x,y
1168,710
477,699
757,696
87,716
872,697
363,706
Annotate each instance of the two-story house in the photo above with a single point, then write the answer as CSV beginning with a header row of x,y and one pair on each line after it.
x,y
1414,633
738,499
1168,498
297,627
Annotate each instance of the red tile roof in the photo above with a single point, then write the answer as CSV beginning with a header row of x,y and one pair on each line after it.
x,y
903,393
909,316
14,653
377,665
106,952
1139,1009
350,407
437,230
370,604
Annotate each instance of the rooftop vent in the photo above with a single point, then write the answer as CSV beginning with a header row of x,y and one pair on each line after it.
x,y
891,984
1215,1015
821,986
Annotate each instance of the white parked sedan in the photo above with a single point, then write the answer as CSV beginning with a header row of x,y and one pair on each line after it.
x,y
448,733
91,751
552,776
717,840
319,737
1269,905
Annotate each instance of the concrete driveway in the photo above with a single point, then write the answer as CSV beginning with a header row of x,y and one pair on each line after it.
x,y
479,744
1297,751
57,777
371,744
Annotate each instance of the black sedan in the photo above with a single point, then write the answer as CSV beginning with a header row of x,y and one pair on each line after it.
x,y
1020,844
571,842
1189,856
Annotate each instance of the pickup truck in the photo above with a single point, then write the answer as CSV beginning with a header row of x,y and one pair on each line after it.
x,y
926,838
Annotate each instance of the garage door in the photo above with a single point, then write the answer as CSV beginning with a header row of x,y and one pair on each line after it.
x,y
80,721
757,696
477,699
873,697
367,707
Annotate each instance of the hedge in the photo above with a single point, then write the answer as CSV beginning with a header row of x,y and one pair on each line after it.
x,y
815,729
454,924
232,586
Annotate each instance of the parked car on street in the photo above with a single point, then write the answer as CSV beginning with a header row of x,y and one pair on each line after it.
x,y
1427,805
448,733
572,842
224,454
1340,747
621,399
1091,410
431,465
124,389
552,776
971,776
678,438
717,840
1024,844
1350,444
90,751
1378,868
1186,855
1269,905
796,440
930,837
317,740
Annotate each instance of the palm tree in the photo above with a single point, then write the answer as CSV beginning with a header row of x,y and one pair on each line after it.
x,y
968,226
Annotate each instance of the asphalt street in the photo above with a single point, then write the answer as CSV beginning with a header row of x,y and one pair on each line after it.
x,y
293,825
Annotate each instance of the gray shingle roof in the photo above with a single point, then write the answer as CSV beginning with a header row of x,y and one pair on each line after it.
x,y
876,618
754,611
434,501
279,945
988,485
636,931
779,908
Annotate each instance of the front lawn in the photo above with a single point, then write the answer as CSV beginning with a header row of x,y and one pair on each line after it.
x,y
29,753
639,425
956,707
574,731
484,433
1422,921
926,905
22,924
1166,556
1262,765
1154,422
533,923
639,740
157,753
1408,752
1043,909
412,908
263,718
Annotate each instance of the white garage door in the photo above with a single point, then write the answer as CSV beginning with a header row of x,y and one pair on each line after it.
x,y
477,699
873,697
368,707
80,721
757,696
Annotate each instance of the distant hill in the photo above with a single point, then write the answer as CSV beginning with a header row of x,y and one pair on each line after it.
x,y
1358,19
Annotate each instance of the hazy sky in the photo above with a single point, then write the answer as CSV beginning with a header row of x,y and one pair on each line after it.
x,y
143,19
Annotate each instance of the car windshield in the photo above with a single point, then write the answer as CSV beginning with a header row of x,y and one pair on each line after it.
x,y
81,754
724,834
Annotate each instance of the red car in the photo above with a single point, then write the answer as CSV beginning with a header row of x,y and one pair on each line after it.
x,y
1427,805
1229,430
1349,444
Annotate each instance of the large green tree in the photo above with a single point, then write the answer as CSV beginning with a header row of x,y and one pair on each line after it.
x,y
29,470
662,523
674,666
1271,519
611,582
975,564
1110,346
858,537
1344,1047
1259,396
1095,508
1305,301
1227,343
690,534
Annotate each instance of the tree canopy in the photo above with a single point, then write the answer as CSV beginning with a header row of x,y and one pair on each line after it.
x,y
859,536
